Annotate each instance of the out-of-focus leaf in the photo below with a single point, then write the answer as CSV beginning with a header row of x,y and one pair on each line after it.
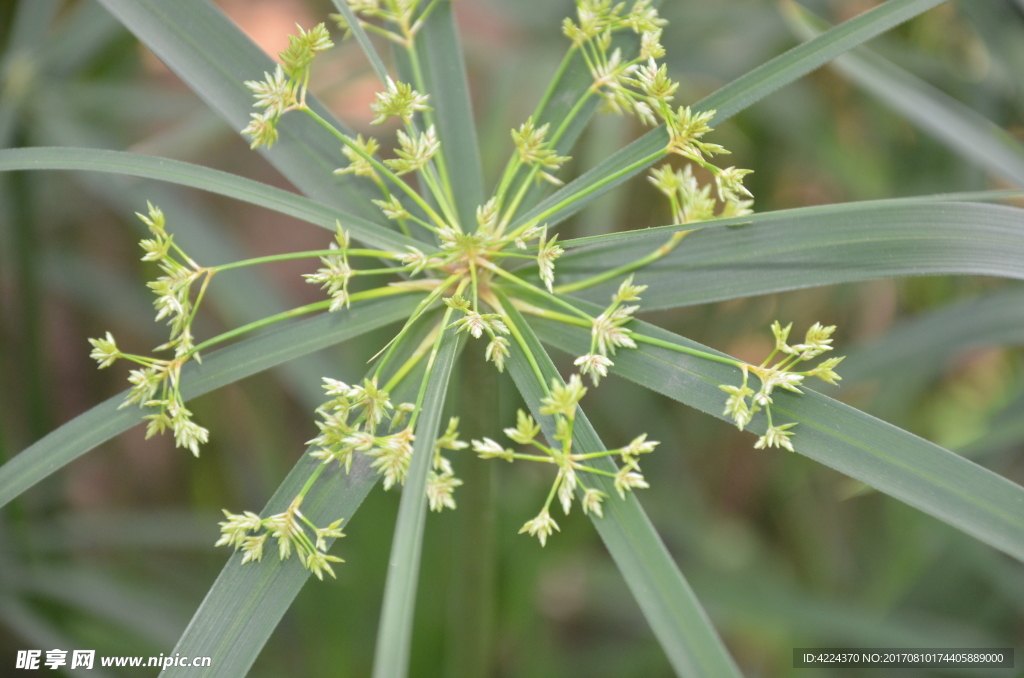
x,y
961,128
928,342
35,631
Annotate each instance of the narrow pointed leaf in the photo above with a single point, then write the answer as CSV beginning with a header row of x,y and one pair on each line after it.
x,y
394,636
679,622
728,101
810,247
207,179
666,230
220,368
963,130
984,505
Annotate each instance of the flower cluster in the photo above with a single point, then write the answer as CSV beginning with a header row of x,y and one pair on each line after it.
x,y
817,341
350,423
641,86
248,532
534,151
156,384
608,331
465,272
691,202
335,273
562,403
285,89
400,13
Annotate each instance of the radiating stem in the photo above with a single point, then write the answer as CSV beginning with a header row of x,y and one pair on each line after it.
x,y
585,192
625,268
380,167
381,254
533,288
685,349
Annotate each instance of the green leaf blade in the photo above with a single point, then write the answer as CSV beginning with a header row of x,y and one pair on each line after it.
x,y
394,637
810,247
203,178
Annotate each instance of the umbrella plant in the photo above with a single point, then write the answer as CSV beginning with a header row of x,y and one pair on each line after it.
x,y
452,262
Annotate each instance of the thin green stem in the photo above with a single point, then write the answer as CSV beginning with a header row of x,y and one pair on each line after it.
x,y
552,315
597,471
595,455
413,360
586,191
381,254
395,37
309,483
380,167
423,17
544,293
625,268
298,311
551,494
430,361
684,349
420,308
533,457
199,297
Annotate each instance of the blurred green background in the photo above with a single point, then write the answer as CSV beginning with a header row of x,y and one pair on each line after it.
x,y
115,552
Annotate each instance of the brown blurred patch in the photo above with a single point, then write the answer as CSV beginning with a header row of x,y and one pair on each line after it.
x,y
268,22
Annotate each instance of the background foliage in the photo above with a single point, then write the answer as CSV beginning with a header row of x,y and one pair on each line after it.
x,y
115,552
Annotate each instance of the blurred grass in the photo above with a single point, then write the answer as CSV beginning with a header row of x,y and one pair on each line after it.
x,y
778,554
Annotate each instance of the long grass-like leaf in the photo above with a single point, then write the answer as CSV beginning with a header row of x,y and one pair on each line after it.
x,y
220,368
682,627
962,129
207,179
730,100
809,247
984,505
394,637
996,196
